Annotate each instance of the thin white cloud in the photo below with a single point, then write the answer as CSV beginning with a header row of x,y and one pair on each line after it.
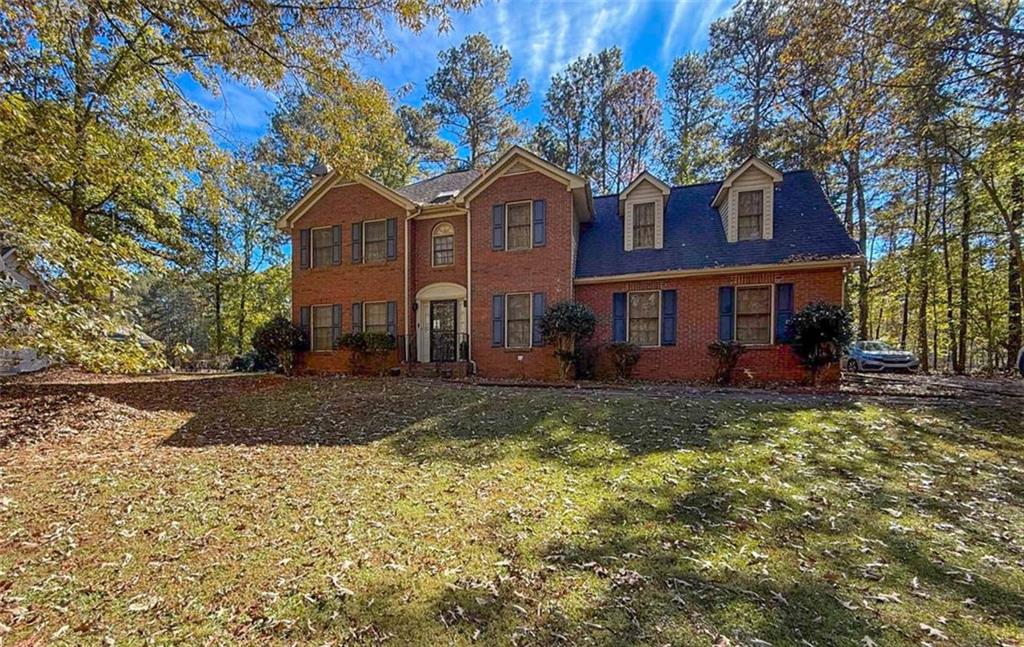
x,y
678,12
713,9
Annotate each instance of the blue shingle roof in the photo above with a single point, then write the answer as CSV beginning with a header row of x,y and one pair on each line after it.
x,y
805,228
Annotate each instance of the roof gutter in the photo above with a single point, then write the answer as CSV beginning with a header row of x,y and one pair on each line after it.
x,y
846,263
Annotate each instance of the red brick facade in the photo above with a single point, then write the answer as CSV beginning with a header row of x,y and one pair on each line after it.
x,y
482,272
697,323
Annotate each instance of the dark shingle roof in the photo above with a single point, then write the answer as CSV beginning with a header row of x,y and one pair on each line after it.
x,y
427,191
805,228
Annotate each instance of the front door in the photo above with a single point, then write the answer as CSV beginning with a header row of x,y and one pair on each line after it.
x,y
443,330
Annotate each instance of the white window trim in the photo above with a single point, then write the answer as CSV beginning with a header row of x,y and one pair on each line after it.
x,y
771,314
362,236
529,221
433,235
658,292
312,246
370,303
529,343
312,325
767,211
764,212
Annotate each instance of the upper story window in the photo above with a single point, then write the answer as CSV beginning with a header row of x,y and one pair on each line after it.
x,y
375,240
644,318
518,218
443,244
754,314
323,241
643,226
751,215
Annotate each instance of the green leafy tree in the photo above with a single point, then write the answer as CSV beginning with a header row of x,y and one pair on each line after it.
x,y
281,339
427,151
637,124
693,152
472,97
818,333
566,325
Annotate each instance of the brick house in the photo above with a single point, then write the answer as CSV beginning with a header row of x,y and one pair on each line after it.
x,y
459,267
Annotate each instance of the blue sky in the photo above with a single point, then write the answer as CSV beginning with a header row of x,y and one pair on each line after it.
x,y
541,37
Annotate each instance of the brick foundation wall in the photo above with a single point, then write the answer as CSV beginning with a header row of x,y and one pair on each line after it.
x,y
546,269
347,283
697,325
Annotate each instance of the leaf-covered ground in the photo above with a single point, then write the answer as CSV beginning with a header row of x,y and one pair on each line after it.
x,y
270,511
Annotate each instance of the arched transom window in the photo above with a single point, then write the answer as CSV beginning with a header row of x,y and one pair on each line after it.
x,y
443,244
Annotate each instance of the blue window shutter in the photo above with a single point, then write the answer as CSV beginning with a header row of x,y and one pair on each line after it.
x,y
668,317
498,226
336,244
726,296
540,235
357,242
304,249
783,311
498,320
392,317
619,317
392,226
304,319
357,317
335,324
538,314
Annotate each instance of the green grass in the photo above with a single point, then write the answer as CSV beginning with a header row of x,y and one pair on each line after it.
x,y
329,510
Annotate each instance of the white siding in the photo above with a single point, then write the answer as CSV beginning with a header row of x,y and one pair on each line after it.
x,y
753,179
645,192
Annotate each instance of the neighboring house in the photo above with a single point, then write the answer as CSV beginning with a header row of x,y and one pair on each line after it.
x,y
13,273
460,267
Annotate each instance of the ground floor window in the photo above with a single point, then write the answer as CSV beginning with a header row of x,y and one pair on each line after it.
x,y
375,317
643,318
754,314
323,335
517,321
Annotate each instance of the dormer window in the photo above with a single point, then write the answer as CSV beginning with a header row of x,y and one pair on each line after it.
x,y
643,226
751,215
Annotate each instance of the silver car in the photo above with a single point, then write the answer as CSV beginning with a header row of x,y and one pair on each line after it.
x,y
876,356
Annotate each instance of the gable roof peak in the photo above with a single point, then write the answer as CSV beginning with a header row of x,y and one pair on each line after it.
x,y
751,162
645,176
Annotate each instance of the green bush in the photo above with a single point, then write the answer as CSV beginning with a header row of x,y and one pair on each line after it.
x,y
565,325
818,335
365,348
624,356
281,339
726,355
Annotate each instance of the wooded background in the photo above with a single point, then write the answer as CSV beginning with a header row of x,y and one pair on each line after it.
x,y
113,187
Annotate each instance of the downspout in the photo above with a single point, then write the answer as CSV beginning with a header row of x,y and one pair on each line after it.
x,y
405,310
469,290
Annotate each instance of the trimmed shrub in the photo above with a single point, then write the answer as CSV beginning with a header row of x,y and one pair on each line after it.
x,y
818,335
281,339
366,349
566,325
726,355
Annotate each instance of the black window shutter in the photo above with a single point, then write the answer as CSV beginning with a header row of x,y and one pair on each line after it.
x,y
783,311
335,323
539,223
304,249
498,320
304,319
357,242
392,226
619,317
726,296
357,317
538,314
392,317
498,226
668,317
336,244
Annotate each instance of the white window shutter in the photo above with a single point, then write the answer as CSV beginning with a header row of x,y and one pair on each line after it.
x,y
659,225
628,227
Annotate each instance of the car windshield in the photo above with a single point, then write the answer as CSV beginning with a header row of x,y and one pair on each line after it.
x,y
874,345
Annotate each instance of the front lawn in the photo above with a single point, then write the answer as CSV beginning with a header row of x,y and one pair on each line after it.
x,y
265,510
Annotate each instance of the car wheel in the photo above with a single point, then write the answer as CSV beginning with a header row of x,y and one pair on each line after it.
x,y
851,365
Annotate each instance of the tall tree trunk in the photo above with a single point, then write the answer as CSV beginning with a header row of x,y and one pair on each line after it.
x,y
965,261
1016,267
862,237
924,276
947,267
910,255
